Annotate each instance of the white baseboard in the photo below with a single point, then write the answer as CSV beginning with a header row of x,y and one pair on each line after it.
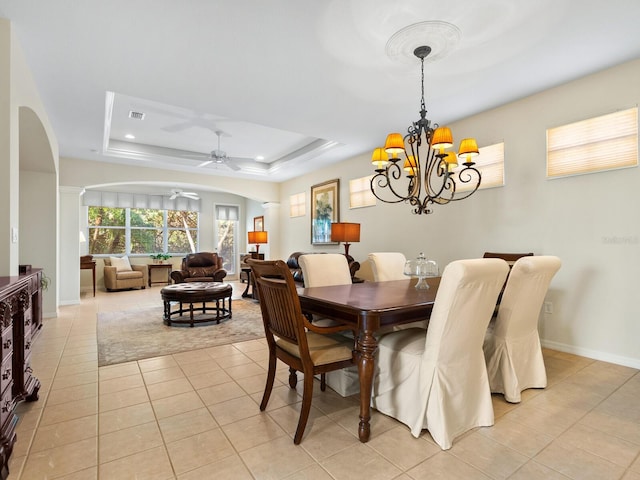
x,y
595,354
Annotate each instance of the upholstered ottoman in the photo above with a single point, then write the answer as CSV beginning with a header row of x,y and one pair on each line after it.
x,y
194,293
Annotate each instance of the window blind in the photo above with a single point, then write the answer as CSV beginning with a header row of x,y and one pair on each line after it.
x,y
297,205
360,194
602,143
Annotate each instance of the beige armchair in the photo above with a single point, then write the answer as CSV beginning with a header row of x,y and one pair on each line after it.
x,y
123,275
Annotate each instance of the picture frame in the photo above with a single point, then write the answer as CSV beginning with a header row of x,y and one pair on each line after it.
x,y
258,224
325,210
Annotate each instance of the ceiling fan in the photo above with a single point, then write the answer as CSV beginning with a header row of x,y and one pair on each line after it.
x,y
219,157
175,193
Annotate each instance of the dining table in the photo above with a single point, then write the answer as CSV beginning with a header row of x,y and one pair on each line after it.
x,y
368,307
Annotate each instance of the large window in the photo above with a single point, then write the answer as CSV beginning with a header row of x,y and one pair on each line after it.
x,y
602,143
141,231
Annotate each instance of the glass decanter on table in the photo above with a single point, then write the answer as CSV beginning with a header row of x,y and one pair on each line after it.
x,y
421,268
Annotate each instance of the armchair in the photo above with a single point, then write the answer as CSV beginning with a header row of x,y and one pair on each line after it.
x,y
200,267
120,274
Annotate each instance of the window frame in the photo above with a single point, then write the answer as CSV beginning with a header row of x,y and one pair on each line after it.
x,y
128,228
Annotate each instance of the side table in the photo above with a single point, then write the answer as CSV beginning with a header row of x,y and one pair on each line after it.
x,y
167,266
87,263
250,284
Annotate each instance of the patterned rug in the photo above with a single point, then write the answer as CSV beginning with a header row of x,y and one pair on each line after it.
x,y
140,333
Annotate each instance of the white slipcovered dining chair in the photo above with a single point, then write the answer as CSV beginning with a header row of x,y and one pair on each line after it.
x,y
512,345
437,379
323,271
387,266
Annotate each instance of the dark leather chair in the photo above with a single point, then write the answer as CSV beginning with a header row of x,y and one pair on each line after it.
x,y
296,271
200,267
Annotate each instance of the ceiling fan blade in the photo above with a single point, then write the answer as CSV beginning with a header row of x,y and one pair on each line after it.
x,y
232,166
205,163
191,195
173,197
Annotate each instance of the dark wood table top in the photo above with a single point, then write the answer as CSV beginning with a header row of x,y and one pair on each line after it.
x,y
391,302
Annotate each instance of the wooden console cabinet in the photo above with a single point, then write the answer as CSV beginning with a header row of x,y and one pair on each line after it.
x,y
20,322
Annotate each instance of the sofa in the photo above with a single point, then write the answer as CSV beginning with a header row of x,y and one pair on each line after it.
x,y
200,267
119,274
296,271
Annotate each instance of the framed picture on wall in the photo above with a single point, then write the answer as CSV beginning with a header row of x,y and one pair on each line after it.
x,y
258,224
325,209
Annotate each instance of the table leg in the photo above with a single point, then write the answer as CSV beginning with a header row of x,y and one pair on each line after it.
x,y
367,345
94,279
246,294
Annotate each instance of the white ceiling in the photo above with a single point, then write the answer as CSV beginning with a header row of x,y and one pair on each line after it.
x,y
302,82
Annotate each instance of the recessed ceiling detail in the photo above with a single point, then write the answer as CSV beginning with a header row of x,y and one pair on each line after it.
x,y
179,138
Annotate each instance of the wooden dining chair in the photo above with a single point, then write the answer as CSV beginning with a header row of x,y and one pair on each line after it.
x,y
437,379
510,258
292,339
323,271
512,345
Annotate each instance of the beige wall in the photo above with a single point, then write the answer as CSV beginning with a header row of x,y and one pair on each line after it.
x,y
589,221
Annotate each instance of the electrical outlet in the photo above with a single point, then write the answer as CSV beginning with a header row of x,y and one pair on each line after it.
x,y
548,307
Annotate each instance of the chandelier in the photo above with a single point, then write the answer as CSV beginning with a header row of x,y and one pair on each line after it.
x,y
429,169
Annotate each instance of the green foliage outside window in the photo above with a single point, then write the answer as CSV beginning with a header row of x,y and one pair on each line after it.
x,y
144,229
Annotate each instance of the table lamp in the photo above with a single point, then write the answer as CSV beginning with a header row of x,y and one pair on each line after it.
x,y
345,232
257,238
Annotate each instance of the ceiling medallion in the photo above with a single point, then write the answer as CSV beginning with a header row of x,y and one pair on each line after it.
x,y
442,37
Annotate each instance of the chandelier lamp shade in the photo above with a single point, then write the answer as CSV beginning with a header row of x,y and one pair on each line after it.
x,y
258,238
345,232
417,168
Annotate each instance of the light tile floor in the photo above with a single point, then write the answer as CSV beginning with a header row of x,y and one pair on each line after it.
x,y
195,415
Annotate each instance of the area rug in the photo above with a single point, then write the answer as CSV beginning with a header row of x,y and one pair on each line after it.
x,y
135,334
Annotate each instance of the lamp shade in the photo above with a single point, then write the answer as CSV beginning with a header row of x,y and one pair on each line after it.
x,y
468,148
257,237
394,144
452,160
410,165
379,158
442,138
345,232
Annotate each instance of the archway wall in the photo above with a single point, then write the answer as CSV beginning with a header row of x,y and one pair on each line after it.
x,y
29,153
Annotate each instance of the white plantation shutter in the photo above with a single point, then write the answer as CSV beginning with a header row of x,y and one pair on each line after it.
x,y
603,143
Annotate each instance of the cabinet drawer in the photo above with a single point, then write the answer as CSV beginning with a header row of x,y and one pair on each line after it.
x,y
6,344
7,405
6,374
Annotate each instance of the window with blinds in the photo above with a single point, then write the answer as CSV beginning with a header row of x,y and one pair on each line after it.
x,y
360,193
490,164
602,143
297,204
